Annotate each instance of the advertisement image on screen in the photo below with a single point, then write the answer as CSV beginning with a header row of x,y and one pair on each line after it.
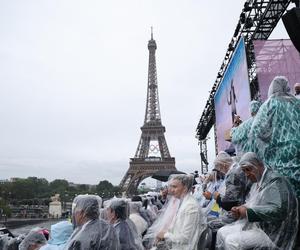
x,y
232,97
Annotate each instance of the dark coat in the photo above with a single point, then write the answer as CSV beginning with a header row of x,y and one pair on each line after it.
x,y
236,189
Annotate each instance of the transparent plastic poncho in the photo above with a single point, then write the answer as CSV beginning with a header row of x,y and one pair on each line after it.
x,y
274,134
182,222
232,192
33,238
272,219
95,233
236,187
164,221
140,223
9,243
59,235
212,184
129,238
239,134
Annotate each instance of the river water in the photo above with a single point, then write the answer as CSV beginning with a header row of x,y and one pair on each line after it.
x,y
26,228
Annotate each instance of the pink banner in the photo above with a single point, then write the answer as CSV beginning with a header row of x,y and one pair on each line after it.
x,y
273,58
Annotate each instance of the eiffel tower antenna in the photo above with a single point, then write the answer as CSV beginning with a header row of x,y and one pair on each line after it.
x,y
152,153
151,33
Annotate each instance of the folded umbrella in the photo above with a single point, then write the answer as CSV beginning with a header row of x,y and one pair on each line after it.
x,y
163,175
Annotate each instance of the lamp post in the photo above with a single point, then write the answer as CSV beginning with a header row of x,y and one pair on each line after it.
x,y
65,204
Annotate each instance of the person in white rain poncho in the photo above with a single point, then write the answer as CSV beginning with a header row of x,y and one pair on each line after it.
x,y
33,241
162,223
137,219
142,210
189,222
91,233
269,217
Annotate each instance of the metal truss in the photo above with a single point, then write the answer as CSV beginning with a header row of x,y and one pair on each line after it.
x,y
203,155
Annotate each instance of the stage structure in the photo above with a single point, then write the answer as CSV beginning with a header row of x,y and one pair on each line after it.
x,y
256,22
152,153
273,58
203,155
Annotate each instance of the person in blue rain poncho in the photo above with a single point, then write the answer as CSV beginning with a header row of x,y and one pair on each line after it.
x,y
268,219
91,233
59,235
240,132
274,135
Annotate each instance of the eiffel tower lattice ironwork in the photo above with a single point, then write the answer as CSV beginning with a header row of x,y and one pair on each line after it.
x,y
152,153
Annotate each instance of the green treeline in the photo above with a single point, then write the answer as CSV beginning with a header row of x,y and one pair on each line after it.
x,y
37,191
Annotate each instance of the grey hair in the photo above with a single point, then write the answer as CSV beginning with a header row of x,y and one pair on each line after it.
x,y
252,160
88,204
120,207
187,180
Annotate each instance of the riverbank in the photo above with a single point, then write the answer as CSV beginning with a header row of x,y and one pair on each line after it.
x,y
18,223
26,228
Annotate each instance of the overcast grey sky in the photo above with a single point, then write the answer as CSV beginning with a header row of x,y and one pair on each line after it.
x,y
73,77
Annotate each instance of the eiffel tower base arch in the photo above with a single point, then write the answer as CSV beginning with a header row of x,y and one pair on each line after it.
x,y
140,169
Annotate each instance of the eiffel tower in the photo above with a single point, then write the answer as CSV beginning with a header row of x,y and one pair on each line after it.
x,y
152,153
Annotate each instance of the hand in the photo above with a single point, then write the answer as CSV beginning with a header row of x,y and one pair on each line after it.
x,y
237,121
239,212
235,212
242,211
207,195
216,195
160,236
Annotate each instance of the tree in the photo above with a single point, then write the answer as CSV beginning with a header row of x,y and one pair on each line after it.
x,y
4,209
105,189
104,185
83,189
33,190
23,189
58,186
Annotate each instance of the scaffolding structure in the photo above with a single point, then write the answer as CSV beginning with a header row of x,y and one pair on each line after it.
x,y
256,22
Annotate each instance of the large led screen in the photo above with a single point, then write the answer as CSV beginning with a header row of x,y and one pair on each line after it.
x,y
232,97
